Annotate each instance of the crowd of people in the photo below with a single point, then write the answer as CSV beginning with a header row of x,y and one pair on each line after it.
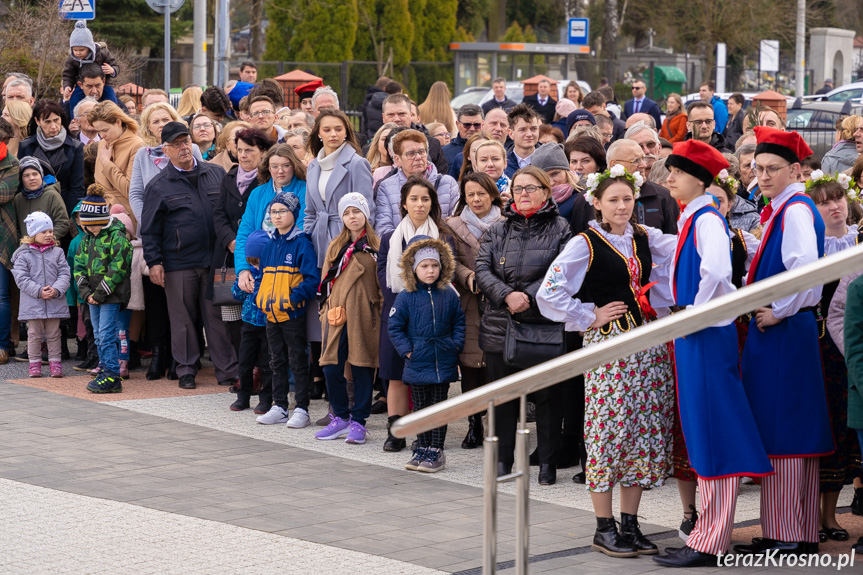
x,y
377,267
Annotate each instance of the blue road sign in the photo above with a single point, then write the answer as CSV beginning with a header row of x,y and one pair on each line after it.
x,y
579,31
78,9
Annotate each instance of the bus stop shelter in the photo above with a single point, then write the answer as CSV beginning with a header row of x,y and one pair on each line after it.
x,y
478,63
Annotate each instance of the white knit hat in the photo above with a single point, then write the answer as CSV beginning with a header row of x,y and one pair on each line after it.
x,y
38,222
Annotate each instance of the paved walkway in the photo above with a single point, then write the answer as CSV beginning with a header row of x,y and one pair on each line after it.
x,y
182,485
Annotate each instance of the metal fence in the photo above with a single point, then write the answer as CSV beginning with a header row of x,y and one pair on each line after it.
x,y
517,386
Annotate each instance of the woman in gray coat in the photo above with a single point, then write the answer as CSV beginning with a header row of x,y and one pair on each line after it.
x,y
337,170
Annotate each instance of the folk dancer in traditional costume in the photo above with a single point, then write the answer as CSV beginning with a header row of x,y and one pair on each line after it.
x,y
781,364
720,432
598,285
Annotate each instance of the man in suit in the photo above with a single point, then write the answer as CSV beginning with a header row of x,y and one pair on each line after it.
x,y
499,100
641,103
542,102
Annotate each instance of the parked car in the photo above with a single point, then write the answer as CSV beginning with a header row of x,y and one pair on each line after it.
x,y
473,95
853,91
816,121
514,91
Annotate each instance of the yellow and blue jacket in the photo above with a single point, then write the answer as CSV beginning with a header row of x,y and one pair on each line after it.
x,y
290,276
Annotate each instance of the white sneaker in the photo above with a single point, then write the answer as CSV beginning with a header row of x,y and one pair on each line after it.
x,y
274,416
299,419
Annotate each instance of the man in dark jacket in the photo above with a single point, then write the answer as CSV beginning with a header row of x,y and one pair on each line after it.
x,y
178,236
372,107
734,128
397,109
499,100
542,101
595,103
641,103
654,207
469,121
54,145
702,126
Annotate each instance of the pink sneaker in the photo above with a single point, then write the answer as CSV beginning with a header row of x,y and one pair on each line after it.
x,y
35,369
56,369
124,369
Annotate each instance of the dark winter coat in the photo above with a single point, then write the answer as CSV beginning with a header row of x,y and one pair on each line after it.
x,y
177,228
427,321
514,255
373,112
656,208
229,210
717,141
453,149
67,161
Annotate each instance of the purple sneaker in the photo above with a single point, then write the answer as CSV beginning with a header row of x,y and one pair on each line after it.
x,y
357,433
335,429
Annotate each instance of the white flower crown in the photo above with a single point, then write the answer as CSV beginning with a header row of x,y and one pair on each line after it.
x,y
616,171
844,180
724,178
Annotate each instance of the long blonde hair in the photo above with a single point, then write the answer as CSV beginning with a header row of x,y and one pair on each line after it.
x,y
149,137
20,112
343,238
190,101
374,155
436,107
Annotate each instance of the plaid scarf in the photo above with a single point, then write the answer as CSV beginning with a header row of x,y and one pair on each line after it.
x,y
343,257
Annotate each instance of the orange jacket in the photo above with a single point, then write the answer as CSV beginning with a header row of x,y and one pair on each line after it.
x,y
674,130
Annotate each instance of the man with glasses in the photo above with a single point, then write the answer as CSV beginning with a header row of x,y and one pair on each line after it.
x,y
262,115
397,109
469,121
178,235
702,126
648,139
640,103
781,362
654,206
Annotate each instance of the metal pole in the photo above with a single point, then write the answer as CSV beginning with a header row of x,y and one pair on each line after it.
x,y
199,57
800,53
167,46
216,42
489,498
224,39
522,500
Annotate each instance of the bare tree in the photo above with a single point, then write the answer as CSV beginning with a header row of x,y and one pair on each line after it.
x,y
611,23
256,15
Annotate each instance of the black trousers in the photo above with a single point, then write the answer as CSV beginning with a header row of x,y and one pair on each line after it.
x,y
158,318
423,396
549,415
287,341
254,352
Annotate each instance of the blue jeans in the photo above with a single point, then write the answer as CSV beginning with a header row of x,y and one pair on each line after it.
x,y
106,328
337,390
5,311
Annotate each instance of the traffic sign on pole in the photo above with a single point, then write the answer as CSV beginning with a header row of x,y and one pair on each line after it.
x,y
579,31
78,9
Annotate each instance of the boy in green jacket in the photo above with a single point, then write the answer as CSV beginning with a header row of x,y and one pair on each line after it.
x,y
102,273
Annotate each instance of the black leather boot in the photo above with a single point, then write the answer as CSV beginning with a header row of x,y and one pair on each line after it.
x,y
473,439
857,502
64,342
393,443
134,355
81,355
631,532
172,370
607,540
157,364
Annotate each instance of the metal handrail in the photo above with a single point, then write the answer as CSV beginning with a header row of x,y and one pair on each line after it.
x,y
667,329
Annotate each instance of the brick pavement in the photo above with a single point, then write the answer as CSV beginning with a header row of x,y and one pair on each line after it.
x,y
103,451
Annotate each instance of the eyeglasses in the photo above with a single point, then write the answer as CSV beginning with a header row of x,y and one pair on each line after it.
x,y
185,143
638,87
411,154
699,123
205,126
279,213
444,135
261,114
471,125
771,171
525,189
649,145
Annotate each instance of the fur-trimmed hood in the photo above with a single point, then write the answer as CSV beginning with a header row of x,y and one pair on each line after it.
x,y
447,263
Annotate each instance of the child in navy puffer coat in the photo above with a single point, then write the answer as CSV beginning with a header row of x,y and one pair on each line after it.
x,y
426,328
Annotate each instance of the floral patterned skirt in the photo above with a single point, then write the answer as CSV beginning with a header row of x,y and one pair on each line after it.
x,y
628,418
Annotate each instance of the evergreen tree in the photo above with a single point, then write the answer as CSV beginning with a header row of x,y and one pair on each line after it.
x,y
312,31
